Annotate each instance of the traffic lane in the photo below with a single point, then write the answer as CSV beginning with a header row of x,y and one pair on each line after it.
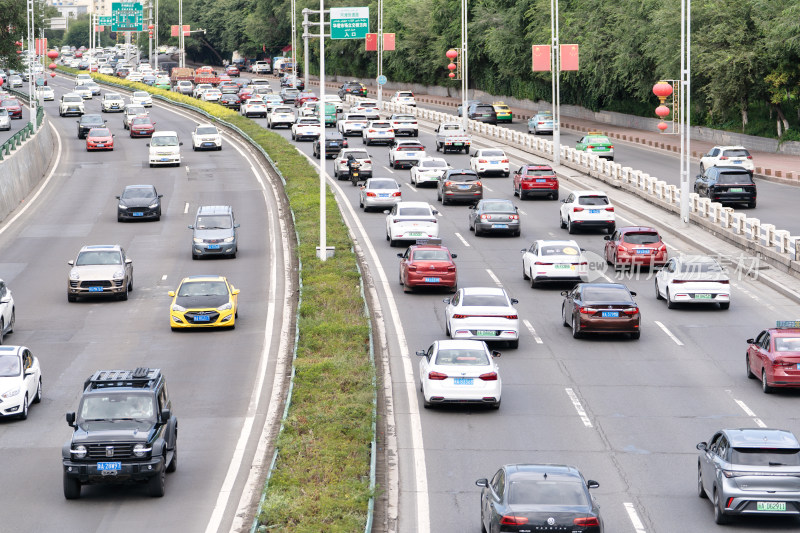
x,y
16,124
147,312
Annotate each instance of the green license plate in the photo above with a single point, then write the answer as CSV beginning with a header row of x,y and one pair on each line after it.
x,y
703,296
486,333
563,267
735,190
415,234
771,506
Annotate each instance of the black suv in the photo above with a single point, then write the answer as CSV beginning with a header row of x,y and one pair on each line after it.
x,y
482,112
352,87
727,185
87,122
333,143
124,432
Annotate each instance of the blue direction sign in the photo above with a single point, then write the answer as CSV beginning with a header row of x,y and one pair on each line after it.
x,y
126,16
349,22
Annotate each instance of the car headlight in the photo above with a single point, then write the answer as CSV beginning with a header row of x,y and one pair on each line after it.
x,y
153,205
225,307
228,239
119,274
140,450
79,451
198,241
73,275
123,206
178,308
11,393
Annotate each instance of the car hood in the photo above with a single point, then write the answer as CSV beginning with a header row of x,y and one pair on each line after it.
x,y
112,431
136,202
97,271
9,383
202,302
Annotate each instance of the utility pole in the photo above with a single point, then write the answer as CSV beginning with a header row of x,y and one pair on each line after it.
x,y
685,101
31,59
149,40
294,43
306,11
155,35
380,50
464,74
555,59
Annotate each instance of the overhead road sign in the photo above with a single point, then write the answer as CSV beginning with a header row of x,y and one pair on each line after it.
x,y
349,22
104,21
126,16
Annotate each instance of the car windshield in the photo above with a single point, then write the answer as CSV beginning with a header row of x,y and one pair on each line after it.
x,y
414,212
213,222
117,405
496,300
95,257
63,99
206,130
135,110
434,164
605,294
169,140
701,267
593,200
539,172
99,132
141,120
203,288
734,177
787,344
736,152
765,456
405,94
498,207
462,356
141,94
382,184
92,119
381,125
430,255
138,192
558,249
112,96
3,112
9,365
597,140
641,238
356,117
541,492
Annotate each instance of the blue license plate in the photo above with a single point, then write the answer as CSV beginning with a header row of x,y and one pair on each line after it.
x,y
500,226
100,145
464,187
541,180
164,159
738,162
494,162
462,381
208,144
109,467
410,154
138,214
432,280
383,195
642,252
334,145
213,246
594,211
610,314
202,318
95,289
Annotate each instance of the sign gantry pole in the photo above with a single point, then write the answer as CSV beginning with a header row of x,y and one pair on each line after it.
x,y
323,242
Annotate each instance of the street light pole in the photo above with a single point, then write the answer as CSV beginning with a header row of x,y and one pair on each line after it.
x,y
155,36
294,43
380,50
323,208
181,41
685,101
555,62
464,75
31,59
306,36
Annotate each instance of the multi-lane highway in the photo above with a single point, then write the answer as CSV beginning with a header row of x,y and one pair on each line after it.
x,y
221,382
627,413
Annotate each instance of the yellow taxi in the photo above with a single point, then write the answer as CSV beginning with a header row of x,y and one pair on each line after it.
x,y
503,112
204,302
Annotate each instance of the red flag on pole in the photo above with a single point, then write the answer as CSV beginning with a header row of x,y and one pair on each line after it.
x,y
541,58
371,42
173,30
388,42
186,30
569,57
100,28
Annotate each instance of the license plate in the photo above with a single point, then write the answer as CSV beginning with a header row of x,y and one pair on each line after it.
x,y
458,144
500,226
101,145
164,159
432,280
462,381
771,506
610,314
563,267
464,187
202,318
410,154
703,296
415,234
486,333
594,211
213,246
95,289
208,144
109,467
738,162
541,181
382,133
642,252
138,214
736,190
383,195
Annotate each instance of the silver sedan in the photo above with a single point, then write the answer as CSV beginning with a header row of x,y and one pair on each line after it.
x,y
379,193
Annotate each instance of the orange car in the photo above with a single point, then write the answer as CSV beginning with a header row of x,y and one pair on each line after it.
x,y
99,139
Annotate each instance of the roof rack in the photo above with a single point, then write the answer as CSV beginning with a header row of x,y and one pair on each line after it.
x,y
595,133
787,324
430,240
141,377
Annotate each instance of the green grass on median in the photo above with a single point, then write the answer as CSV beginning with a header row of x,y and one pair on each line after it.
x,y
321,477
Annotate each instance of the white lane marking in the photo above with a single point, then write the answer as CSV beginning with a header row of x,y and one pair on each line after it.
x,y
185,208
523,213
669,333
551,234
164,277
638,526
389,169
578,407
462,239
671,247
487,188
411,186
494,278
42,187
536,337
749,412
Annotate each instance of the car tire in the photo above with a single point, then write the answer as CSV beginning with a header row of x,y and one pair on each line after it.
x,y
533,280
719,516
576,329
438,147
725,305
561,222
124,295
658,293
495,406
554,196
749,371
670,303
447,328
525,275
72,488
513,344
157,485
701,492
173,465
635,335
611,229
194,148
752,205
23,415
570,228
764,386
564,317
13,321
702,168
72,298
38,397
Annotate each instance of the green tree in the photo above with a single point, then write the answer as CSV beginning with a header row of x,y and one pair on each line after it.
x,y
12,29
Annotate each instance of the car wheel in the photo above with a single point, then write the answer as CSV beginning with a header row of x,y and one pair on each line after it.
x,y
725,305
701,492
72,298
750,374
12,321
764,386
2,328
658,293
719,516
670,303
752,205
72,488
561,223
447,328
23,415
570,227
173,465
524,274
156,485
635,335
513,344
702,168
38,397
124,295
532,278
194,148
576,329
444,200
564,316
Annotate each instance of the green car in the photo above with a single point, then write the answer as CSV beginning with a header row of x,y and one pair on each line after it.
x,y
162,82
504,113
596,143
330,115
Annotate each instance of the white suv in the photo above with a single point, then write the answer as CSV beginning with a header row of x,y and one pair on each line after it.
x,y
280,116
727,156
378,132
587,209
112,102
71,104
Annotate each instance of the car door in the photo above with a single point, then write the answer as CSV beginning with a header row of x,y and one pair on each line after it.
x,y
529,257
473,160
566,206
424,365
29,377
664,276
404,261
452,305
493,510
753,355
710,159
581,144
707,468
762,348
5,304
611,245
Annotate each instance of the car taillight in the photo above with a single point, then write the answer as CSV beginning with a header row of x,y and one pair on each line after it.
x,y
486,217
483,161
513,520
371,194
723,281
749,157
510,317
610,146
587,310
589,521
680,281
577,209
610,209
371,131
398,193
478,184
541,263
514,217
460,316
451,268
590,147
631,310
723,158
448,183
622,249
504,160
396,221
367,161
489,376
436,376
342,161
412,268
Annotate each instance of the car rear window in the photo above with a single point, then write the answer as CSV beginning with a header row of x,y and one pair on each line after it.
x,y
498,207
493,153
360,154
593,200
414,212
381,125
410,148
464,357
430,255
701,267
641,238
484,109
539,172
461,176
356,117
433,164
406,94
540,492
606,294
383,184
734,178
736,152
765,456
471,300
787,344
558,250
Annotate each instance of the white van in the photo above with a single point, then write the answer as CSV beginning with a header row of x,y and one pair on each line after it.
x,y
165,149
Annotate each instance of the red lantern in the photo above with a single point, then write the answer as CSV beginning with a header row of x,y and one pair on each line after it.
x,y
452,75
52,74
662,126
19,51
451,54
18,43
150,27
662,89
52,66
52,54
151,34
451,66
662,111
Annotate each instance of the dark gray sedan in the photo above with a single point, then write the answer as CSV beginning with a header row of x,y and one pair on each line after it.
x,y
138,202
494,216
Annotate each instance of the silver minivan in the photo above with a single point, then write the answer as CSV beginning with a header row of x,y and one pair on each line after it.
x,y
214,232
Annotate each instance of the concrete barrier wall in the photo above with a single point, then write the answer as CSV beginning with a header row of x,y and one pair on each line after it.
x,y
22,171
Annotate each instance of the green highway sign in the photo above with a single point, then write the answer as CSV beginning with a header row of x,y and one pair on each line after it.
x,y
349,22
126,16
104,21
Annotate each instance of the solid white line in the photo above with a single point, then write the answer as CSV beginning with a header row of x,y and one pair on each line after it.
x,y
494,278
411,185
578,407
638,526
462,239
164,277
186,208
533,332
487,188
389,169
669,333
187,168
749,412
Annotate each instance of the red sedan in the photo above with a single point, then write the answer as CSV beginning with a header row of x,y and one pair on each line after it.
x,y
232,70
303,97
142,126
774,356
99,139
428,265
13,106
635,245
245,94
536,180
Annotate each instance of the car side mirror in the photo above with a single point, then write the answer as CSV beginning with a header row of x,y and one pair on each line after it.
x,y
148,144
633,293
128,261
514,301
386,212
702,446
564,201
190,226
71,419
592,484
454,256
699,177
171,293
117,197
236,225
400,256
180,144
751,341
483,482
161,196
435,211
564,293
422,353
607,237
495,353
446,300
71,262
166,414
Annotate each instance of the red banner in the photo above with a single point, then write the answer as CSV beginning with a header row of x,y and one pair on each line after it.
x,y
388,42
541,58
41,47
174,30
100,28
186,31
371,42
569,57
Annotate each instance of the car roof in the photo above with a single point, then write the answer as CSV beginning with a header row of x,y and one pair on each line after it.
x,y
428,247
214,210
603,284
631,229
555,242
536,471
111,247
205,125
142,186
165,133
483,290
589,193
460,343
8,348
731,147
761,438
695,259
413,204
203,277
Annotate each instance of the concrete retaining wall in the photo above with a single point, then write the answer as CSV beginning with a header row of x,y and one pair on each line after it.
x,y
22,171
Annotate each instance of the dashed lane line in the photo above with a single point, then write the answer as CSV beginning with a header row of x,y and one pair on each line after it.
x,y
536,337
578,407
462,239
638,526
669,333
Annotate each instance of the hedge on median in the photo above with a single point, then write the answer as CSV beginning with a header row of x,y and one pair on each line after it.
x,y
321,480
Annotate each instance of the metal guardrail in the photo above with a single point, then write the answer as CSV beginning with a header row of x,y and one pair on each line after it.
x,y
16,140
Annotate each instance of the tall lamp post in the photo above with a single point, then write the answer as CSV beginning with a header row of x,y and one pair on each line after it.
x,y
555,58
464,74
685,100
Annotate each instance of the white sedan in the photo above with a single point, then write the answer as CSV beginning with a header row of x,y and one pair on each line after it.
x,y
429,170
142,98
20,381
211,95
84,91
305,128
404,98
482,313
554,261
367,107
409,221
206,137
490,161
406,154
693,280
459,371
108,71
280,116
7,311
135,76
254,107
378,132
45,93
